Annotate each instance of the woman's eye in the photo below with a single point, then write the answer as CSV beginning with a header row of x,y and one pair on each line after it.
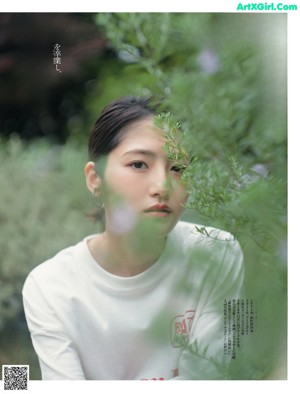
x,y
178,168
138,165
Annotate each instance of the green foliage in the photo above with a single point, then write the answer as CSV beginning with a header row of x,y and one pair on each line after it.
x,y
43,203
212,71
175,145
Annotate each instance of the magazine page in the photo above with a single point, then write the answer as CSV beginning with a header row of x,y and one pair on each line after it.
x,y
144,195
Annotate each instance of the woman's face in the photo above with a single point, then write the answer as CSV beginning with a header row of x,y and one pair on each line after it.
x,y
141,185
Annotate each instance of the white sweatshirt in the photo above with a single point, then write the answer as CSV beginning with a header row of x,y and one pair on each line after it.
x,y
86,323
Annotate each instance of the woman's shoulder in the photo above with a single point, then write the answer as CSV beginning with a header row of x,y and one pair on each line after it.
x,y
210,242
208,252
60,264
199,233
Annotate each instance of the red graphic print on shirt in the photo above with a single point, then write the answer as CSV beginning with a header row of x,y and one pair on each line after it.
x,y
180,327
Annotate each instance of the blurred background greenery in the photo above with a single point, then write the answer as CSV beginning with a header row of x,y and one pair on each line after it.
x,y
223,75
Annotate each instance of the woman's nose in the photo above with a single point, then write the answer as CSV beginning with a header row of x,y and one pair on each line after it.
x,y
160,185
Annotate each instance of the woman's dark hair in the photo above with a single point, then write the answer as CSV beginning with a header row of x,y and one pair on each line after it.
x,y
109,128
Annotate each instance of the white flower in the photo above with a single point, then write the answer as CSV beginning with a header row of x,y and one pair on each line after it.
x,y
122,219
209,61
129,54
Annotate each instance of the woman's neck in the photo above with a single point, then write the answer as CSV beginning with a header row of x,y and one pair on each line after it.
x,y
126,255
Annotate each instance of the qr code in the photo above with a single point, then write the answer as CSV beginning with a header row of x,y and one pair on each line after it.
x,y
15,377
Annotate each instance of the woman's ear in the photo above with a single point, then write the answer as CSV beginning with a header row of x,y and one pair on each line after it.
x,y
93,181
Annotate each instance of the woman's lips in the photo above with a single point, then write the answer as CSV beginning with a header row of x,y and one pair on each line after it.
x,y
159,210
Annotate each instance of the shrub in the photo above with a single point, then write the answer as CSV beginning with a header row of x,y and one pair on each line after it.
x,y
42,210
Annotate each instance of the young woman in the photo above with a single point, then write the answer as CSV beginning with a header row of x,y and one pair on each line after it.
x,y
144,298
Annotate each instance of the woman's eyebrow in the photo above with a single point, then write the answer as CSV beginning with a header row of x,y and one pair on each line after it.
x,y
144,152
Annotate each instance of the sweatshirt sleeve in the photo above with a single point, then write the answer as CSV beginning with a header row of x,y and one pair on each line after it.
x,y
203,356
56,352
